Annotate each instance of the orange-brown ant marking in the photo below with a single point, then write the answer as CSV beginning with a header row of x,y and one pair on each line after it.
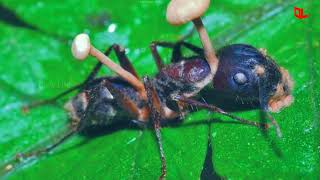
x,y
263,51
259,70
69,107
279,100
286,78
142,113
282,97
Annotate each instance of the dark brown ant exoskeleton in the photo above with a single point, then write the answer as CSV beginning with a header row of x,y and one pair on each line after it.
x,y
253,76
237,71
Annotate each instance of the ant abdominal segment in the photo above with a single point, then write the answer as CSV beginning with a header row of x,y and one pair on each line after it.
x,y
235,71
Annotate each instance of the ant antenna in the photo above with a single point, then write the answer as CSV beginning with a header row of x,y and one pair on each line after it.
x,y
265,110
62,139
26,108
220,111
81,48
21,157
275,123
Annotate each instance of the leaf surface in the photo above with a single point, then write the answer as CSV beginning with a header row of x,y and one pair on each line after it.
x,y
37,64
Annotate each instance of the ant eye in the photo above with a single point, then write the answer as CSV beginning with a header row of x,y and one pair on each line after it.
x,y
240,78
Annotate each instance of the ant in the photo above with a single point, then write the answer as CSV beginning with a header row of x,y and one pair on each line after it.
x,y
237,71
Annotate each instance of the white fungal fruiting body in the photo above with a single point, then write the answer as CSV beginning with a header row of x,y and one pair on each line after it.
x,y
183,11
81,46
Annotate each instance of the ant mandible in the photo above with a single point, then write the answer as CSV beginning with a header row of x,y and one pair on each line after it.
x,y
239,71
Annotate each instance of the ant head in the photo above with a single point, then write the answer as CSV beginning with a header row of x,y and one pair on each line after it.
x,y
250,75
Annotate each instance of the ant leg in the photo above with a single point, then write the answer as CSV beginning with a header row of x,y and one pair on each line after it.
x,y
176,53
155,53
35,104
274,123
193,48
21,156
123,59
124,101
98,66
218,110
76,87
73,129
91,76
93,73
155,110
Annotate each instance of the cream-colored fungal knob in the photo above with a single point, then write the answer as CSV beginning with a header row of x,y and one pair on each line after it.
x,y
81,46
183,11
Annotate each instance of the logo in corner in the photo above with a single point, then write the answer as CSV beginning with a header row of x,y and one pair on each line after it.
x,y
298,13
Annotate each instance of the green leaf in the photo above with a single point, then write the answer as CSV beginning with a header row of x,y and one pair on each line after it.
x,y
37,64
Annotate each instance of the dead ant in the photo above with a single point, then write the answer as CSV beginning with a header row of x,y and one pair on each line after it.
x,y
238,70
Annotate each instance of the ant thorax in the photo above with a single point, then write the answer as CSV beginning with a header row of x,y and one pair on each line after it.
x,y
185,78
